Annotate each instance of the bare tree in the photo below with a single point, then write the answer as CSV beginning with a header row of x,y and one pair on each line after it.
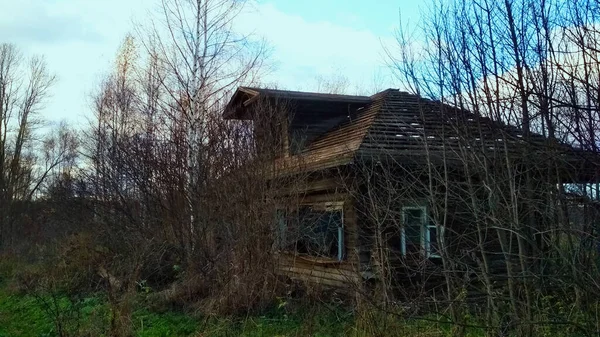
x,y
203,60
25,161
165,164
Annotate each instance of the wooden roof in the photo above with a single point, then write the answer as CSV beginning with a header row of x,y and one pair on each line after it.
x,y
408,124
399,125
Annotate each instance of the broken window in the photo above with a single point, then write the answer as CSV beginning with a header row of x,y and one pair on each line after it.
x,y
314,230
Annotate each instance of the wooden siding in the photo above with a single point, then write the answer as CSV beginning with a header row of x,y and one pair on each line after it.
x,y
413,274
397,125
329,273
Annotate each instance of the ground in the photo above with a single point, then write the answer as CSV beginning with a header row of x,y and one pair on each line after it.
x,y
26,312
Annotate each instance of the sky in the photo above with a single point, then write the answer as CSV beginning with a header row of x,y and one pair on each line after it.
x,y
308,39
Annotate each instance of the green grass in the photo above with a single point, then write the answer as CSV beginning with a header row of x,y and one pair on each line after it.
x,y
276,323
21,316
150,324
25,315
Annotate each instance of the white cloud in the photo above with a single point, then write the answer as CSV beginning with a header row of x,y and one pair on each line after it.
x,y
303,50
80,38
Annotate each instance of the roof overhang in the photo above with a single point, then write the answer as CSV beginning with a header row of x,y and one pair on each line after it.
x,y
245,96
242,97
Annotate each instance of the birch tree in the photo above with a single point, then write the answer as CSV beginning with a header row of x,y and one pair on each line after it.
x,y
159,146
204,59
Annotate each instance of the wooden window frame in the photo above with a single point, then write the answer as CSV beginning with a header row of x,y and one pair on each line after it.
x,y
338,206
425,233
440,235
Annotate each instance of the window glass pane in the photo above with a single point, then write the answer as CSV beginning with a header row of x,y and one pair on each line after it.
x,y
433,241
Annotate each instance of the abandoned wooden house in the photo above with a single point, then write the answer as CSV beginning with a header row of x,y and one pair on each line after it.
x,y
387,180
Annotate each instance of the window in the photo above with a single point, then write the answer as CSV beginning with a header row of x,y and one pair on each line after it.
x,y
418,235
314,230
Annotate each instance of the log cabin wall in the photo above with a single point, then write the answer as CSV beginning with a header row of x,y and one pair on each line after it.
x,y
325,132
386,257
465,221
383,261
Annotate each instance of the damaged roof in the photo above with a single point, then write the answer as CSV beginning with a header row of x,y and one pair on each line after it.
x,y
399,125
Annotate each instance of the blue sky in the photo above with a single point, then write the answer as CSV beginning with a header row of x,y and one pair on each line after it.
x,y
377,16
309,39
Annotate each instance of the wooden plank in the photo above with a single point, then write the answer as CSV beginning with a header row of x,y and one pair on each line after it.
x,y
317,281
300,262
329,274
341,268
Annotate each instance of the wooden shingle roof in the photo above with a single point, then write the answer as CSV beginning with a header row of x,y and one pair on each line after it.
x,y
303,95
407,124
407,127
338,146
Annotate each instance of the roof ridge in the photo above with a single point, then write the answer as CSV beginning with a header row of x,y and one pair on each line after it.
x,y
381,98
384,92
304,94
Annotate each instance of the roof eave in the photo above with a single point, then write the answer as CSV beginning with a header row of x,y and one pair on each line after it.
x,y
241,98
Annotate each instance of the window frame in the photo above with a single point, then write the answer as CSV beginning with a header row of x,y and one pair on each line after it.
x,y
425,233
440,241
337,206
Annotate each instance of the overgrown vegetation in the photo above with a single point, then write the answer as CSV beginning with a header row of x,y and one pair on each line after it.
x,y
27,313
